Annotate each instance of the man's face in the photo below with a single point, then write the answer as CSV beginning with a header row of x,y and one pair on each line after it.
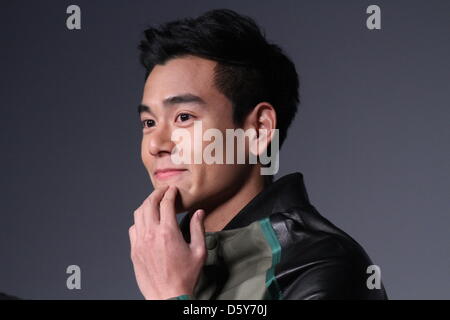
x,y
178,93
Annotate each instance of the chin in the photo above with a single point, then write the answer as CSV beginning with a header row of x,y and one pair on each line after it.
x,y
185,202
181,184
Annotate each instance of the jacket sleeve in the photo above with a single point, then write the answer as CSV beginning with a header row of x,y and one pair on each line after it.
x,y
182,297
337,278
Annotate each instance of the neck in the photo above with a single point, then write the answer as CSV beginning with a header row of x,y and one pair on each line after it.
x,y
218,218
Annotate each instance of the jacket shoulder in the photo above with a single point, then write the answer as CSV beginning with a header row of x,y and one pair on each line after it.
x,y
319,260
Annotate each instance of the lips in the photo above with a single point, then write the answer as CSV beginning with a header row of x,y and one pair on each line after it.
x,y
168,173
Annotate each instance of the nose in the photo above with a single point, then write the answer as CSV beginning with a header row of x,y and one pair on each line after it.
x,y
160,143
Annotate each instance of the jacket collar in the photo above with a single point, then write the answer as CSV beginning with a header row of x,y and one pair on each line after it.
x,y
286,192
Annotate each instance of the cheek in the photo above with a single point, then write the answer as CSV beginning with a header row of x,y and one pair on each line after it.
x,y
145,156
210,179
142,152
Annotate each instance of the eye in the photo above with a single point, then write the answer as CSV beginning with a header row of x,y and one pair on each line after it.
x,y
185,116
148,123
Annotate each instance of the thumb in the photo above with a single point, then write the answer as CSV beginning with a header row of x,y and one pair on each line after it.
x,y
197,230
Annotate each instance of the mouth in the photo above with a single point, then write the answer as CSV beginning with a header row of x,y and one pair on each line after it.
x,y
162,174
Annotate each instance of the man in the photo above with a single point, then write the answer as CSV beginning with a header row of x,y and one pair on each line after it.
x,y
244,236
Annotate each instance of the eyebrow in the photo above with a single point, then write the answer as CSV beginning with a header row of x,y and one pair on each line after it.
x,y
174,100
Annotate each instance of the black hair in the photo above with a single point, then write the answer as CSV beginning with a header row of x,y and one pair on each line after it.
x,y
249,69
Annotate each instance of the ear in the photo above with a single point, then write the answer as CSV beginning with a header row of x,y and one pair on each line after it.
x,y
263,119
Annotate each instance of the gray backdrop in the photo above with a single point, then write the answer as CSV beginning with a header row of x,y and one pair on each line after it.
x,y
371,138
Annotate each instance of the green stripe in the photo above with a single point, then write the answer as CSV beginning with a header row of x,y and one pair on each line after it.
x,y
184,297
271,282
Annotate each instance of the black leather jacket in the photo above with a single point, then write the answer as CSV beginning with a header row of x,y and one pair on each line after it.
x,y
316,260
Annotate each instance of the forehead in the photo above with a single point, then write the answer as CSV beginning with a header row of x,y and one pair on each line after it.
x,y
185,74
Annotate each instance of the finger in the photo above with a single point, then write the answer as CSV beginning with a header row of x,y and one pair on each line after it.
x,y
139,222
151,207
132,234
167,206
197,229
133,240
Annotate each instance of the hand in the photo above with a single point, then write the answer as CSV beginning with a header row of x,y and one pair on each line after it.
x,y
165,265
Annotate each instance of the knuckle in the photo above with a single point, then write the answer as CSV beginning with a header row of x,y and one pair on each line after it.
x,y
149,237
166,201
165,233
151,200
133,254
200,253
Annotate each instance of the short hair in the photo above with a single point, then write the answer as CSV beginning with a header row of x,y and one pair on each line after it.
x,y
249,69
